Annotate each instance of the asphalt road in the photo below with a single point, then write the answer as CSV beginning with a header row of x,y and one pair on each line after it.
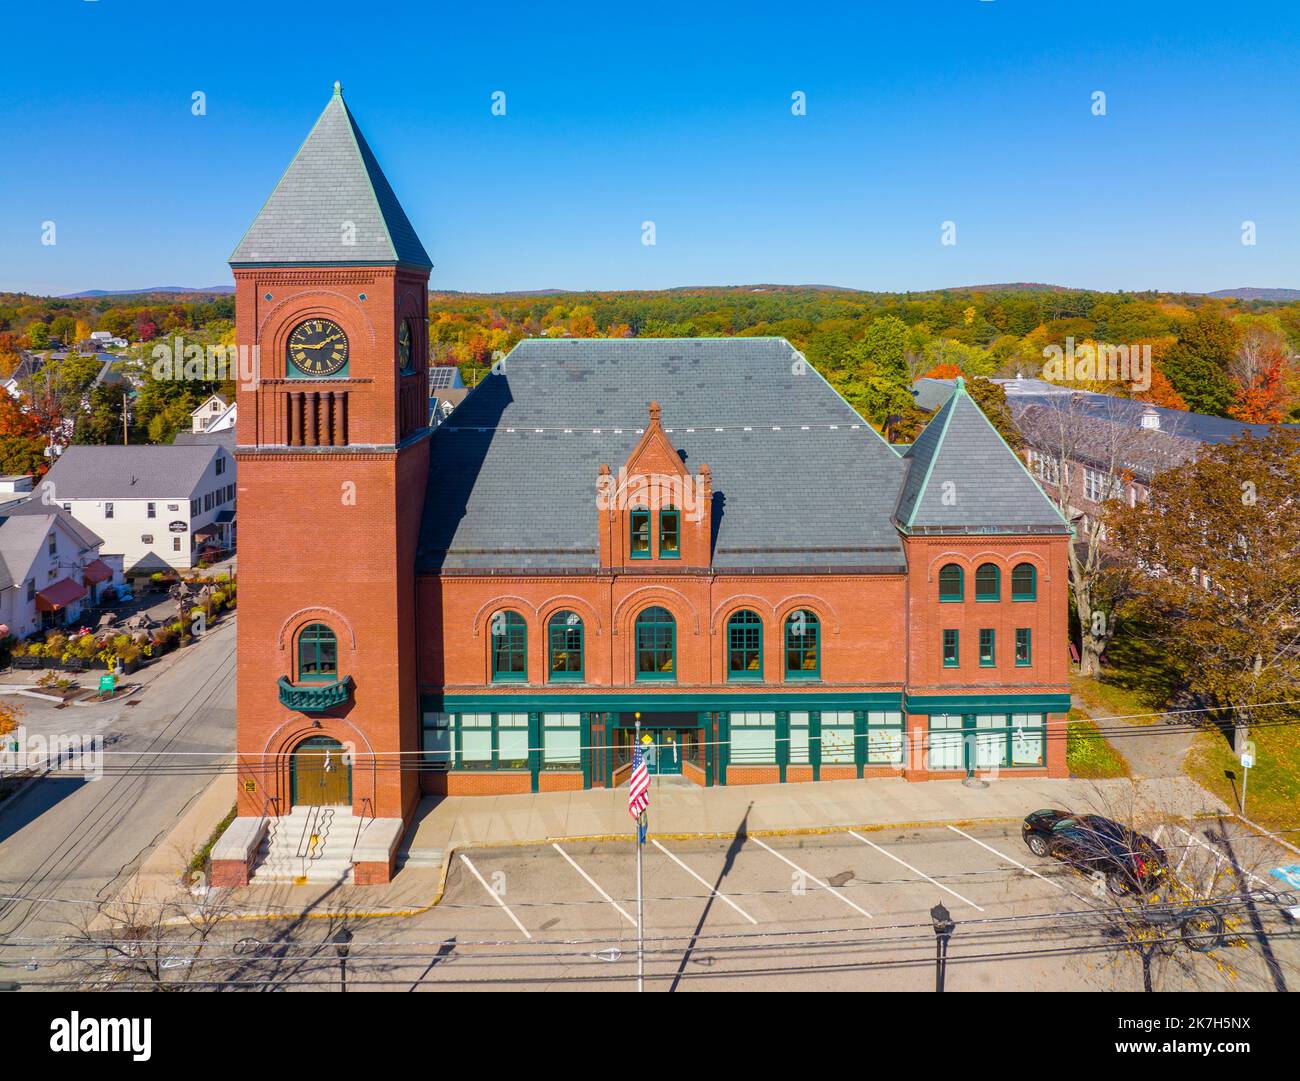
x,y
67,842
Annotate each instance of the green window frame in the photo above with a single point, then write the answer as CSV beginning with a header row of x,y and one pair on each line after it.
x,y
474,742
1028,739
564,647
800,729
803,645
988,647
838,738
1024,582
655,645
745,645
988,583
1024,647
318,654
509,641
951,649
639,533
561,741
884,738
437,741
512,740
670,533
753,738
952,586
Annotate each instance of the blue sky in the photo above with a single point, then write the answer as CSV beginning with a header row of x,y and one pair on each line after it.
x,y
919,112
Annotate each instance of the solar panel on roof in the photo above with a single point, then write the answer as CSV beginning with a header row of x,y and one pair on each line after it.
x,y
441,378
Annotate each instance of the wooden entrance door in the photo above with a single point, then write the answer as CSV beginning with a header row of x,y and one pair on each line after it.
x,y
320,776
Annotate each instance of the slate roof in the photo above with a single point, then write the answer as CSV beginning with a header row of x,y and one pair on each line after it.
x,y
963,478
333,179
1059,428
222,437
110,472
801,481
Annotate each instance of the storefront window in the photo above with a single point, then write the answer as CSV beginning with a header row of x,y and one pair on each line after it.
x,y
884,739
990,741
837,737
512,740
561,740
1026,739
437,739
799,738
475,740
753,738
946,741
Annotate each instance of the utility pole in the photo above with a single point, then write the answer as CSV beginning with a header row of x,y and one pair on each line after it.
x,y
640,899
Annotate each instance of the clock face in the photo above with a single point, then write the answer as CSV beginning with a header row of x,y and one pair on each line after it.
x,y
318,348
404,346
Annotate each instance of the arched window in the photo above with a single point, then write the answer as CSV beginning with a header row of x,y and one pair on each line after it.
x,y
951,583
1024,582
670,533
509,648
564,645
988,582
656,644
745,646
639,524
318,654
803,645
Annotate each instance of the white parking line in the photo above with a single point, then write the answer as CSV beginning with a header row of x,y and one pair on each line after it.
x,y
1014,863
1221,857
494,895
592,883
914,871
702,882
812,878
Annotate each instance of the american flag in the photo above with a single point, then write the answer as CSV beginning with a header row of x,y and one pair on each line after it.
x,y
638,796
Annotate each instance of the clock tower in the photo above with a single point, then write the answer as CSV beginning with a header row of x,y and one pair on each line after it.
x,y
331,287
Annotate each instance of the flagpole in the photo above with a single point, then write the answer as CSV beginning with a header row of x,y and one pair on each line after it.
x,y
640,911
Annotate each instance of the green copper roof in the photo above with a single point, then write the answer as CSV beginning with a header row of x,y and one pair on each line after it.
x,y
963,478
332,206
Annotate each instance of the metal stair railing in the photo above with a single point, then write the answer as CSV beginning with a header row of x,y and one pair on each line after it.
x,y
366,806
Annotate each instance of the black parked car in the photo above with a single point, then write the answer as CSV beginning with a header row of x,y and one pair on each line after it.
x,y
1095,844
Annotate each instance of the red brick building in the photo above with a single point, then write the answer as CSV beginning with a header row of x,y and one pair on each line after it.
x,y
698,534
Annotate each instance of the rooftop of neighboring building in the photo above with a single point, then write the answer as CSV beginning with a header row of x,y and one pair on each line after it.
x,y
132,472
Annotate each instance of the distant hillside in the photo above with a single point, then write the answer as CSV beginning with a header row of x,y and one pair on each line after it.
x,y
1250,293
153,290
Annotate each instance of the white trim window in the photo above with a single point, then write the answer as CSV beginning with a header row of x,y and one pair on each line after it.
x,y
753,738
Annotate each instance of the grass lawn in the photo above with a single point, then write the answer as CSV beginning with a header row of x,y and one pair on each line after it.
x,y
1088,753
1273,793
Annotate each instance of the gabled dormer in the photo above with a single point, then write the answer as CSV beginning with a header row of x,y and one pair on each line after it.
x,y
654,513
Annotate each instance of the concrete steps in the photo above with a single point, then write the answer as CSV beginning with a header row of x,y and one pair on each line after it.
x,y
311,844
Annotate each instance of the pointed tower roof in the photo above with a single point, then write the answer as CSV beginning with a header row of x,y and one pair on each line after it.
x,y
332,206
963,478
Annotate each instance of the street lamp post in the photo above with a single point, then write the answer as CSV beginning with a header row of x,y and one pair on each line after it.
x,y
341,940
943,929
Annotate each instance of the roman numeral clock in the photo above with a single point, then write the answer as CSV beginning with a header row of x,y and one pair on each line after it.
x,y
318,349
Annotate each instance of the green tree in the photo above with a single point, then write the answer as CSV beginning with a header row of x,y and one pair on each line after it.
x,y
1197,363
991,397
38,335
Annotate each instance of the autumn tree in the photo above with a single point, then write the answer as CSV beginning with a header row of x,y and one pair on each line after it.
x,y
1257,368
991,397
1218,551
22,441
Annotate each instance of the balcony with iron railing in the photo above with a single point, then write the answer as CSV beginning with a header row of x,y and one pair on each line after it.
x,y
315,697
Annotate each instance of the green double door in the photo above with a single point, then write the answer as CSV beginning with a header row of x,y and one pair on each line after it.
x,y
666,753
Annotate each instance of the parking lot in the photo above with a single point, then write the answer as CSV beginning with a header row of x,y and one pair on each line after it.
x,y
836,911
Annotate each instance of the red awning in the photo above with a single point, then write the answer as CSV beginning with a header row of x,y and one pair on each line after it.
x,y
97,571
59,594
